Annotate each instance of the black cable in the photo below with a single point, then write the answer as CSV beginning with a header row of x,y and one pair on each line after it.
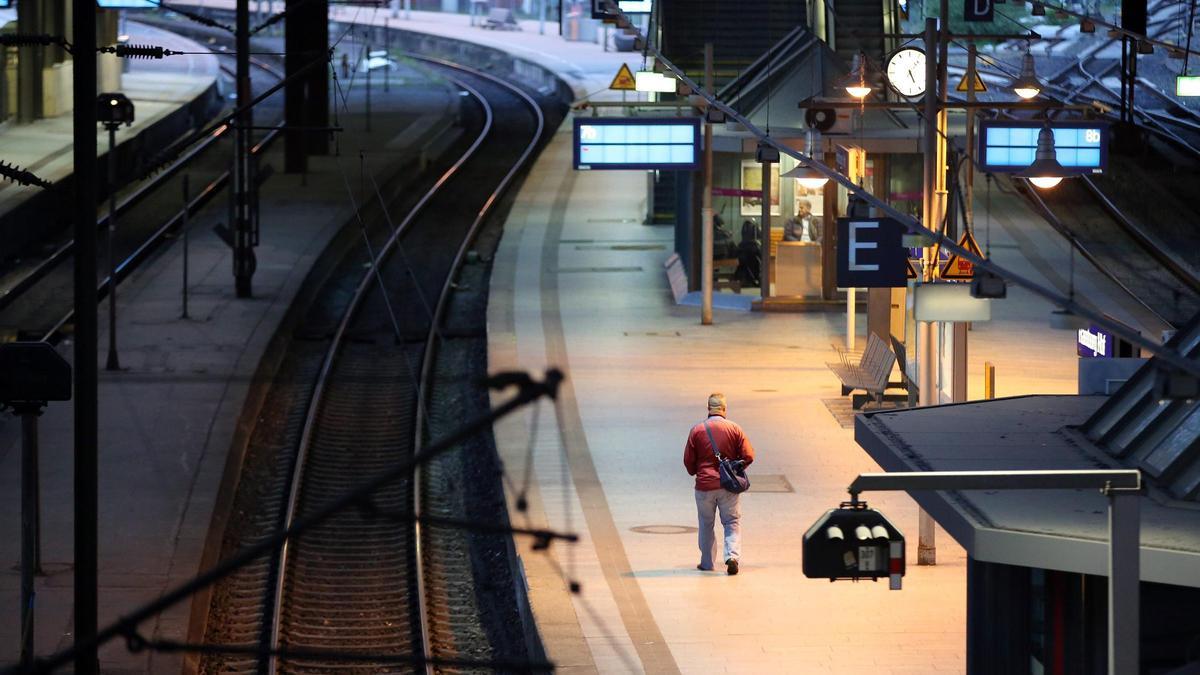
x,y
195,16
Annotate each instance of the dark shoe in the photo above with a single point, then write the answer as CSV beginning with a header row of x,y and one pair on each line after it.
x,y
703,568
731,566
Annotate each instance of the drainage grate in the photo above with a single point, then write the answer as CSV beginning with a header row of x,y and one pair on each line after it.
x,y
576,270
663,529
612,220
769,482
653,333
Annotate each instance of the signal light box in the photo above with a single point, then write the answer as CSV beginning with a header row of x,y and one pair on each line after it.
x,y
1007,146
664,143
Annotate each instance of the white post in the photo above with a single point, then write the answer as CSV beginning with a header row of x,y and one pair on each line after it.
x,y
706,210
1124,630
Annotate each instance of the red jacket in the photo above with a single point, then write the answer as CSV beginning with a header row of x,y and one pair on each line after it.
x,y
698,457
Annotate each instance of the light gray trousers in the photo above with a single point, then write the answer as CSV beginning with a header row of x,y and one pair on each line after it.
x,y
708,502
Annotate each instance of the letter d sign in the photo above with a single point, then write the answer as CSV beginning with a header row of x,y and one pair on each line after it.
x,y
978,10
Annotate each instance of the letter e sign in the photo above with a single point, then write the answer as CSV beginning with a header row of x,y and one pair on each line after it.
x,y
870,254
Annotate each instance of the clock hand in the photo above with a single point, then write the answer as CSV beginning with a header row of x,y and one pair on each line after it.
x,y
911,77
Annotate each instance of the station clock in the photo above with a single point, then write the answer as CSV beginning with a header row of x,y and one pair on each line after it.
x,y
905,71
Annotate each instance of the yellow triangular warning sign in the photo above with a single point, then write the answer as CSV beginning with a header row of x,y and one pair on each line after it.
x,y
979,86
958,268
624,80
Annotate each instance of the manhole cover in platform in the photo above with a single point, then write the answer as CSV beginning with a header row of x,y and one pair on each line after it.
x,y
769,482
621,247
663,529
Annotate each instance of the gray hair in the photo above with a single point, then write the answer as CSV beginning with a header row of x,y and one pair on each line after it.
x,y
716,401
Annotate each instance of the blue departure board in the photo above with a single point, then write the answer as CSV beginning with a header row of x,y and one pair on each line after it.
x,y
1008,146
629,143
127,4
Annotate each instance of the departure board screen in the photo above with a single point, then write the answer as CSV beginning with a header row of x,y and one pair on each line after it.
x,y
627,143
1009,146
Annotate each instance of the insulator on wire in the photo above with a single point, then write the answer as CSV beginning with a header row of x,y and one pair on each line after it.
x,y
138,51
20,176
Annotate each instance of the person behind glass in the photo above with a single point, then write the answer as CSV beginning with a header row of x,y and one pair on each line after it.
x,y
749,256
803,226
701,462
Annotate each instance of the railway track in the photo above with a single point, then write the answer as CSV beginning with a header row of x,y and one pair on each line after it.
x,y
1143,259
36,297
360,398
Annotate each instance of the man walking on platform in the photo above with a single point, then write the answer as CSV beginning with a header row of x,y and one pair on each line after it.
x,y
700,460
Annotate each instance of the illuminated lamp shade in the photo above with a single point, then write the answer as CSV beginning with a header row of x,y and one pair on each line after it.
x,y
1027,85
1087,26
1045,172
859,90
809,177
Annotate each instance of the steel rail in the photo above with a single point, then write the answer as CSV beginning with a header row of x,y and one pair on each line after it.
x,y
63,253
324,376
1073,241
427,362
1176,266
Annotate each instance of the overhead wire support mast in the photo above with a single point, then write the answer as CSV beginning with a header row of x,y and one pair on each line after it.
x,y
1168,355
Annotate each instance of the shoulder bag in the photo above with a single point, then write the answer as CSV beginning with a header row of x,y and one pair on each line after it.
x,y
732,471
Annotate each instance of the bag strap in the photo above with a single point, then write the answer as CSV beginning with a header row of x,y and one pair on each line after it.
x,y
712,441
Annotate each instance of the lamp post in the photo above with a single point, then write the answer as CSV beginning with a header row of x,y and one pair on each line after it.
x,y
113,110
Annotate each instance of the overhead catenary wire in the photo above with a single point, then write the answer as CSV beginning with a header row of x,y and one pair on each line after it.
x,y
1167,354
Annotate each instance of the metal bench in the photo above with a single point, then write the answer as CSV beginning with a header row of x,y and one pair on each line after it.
x,y
870,374
501,18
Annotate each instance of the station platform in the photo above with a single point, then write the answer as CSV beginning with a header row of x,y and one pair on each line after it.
x,y
158,89
579,284
188,393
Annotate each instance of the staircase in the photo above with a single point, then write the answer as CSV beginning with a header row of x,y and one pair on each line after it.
x,y
1147,431
858,26
740,32
664,198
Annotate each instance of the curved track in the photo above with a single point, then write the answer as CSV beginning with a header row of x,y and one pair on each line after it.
x,y
37,297
358,583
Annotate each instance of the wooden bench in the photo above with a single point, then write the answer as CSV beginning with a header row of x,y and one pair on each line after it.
x,y
501,18
869,374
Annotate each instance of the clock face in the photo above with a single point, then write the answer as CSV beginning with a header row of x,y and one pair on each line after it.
x,y
906,71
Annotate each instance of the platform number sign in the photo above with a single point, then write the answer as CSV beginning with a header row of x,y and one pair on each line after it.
x,y
870,254
979,10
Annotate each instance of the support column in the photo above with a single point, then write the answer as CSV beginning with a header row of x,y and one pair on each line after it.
x,y
765,266
706,210
86,464
1124,575
31,62
926,349
306,99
